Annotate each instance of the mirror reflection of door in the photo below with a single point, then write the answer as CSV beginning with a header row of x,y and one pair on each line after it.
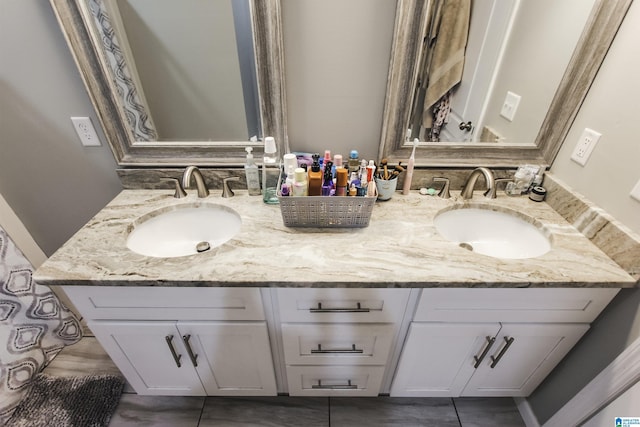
x,y
488,33
455,116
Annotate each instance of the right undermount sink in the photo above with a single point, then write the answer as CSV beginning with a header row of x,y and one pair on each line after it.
x,y
493,233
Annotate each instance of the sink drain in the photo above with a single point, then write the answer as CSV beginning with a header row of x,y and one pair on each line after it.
x,y
203,247
466,246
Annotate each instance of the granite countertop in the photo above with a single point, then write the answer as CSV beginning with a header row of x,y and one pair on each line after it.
x,y
400,248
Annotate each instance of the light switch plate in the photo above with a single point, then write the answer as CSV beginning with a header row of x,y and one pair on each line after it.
x,y
585,146
510,106
635,192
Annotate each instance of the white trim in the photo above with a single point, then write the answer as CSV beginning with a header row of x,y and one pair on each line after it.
x,y
10,222
615,379
527,414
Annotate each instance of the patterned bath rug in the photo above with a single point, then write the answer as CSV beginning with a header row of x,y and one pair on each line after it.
x,y
87,401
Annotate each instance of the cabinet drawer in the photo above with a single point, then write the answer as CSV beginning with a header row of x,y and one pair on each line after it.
x,y
342,305
325,344
158,303
513,305
334,380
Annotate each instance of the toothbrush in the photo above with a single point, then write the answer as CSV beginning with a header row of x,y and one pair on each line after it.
x,y
412,160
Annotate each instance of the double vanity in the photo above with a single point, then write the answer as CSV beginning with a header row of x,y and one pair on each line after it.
x,y
395,307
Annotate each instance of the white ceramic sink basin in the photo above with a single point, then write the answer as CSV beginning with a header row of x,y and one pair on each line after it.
x,y
492,233
183,230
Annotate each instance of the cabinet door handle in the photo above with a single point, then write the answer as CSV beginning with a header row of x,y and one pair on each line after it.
x,y
495,360
479,359
351,350
175,355
358,309
347,386
193,357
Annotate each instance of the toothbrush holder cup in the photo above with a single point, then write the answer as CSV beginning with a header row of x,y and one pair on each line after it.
x,y
386,188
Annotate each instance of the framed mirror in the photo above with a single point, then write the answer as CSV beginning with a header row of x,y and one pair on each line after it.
x,y
413,19
162,103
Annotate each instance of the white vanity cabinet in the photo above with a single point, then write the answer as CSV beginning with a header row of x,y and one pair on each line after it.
x,y
182,341
337,341
492,342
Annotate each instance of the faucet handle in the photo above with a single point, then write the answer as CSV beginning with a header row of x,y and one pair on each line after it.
x,y
444,191
226,190
492,192
180,193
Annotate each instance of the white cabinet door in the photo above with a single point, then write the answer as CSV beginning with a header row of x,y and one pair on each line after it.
x,y
142,352
439,358
231,358
523,355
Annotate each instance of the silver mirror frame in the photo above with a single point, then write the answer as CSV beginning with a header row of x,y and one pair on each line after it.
x,y
597,36
74,18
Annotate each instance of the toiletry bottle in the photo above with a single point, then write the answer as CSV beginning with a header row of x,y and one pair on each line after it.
x,y
252,174
315,177
327,179
326,159
300,183
354,183
371,170
362,172
270,172
342,178
337,163
354,163
290,164
362,176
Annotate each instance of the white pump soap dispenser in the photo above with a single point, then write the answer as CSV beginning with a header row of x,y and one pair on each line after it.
x,y
252,174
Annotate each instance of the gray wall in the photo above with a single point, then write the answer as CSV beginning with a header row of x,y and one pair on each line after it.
x,y
611,172
52,183
336,56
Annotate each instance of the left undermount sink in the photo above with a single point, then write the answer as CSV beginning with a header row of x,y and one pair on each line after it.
x,y
182,230
493,233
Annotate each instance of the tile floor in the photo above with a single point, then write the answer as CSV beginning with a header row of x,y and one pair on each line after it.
x,y
87,357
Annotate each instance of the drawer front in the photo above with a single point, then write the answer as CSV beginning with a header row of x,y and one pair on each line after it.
x,y
513,305
159,303
346,344
342,305
334,380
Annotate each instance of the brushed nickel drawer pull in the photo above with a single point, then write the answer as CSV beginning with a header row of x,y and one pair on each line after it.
x,y
479,359
352,350
192,356
495,360
175,355
358,309
347,386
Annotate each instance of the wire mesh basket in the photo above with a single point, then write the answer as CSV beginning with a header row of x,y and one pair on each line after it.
x,y
326,211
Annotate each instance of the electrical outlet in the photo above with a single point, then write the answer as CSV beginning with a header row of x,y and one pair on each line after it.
x,y
635,192
585,146
510,106
86,132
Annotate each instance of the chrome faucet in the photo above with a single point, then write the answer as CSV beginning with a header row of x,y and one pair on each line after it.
x,y
203,191
467,191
